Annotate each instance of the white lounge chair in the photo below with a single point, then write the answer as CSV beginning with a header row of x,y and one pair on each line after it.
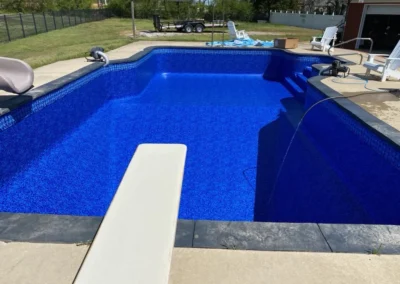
x,y
328,36
391,67
235,34
16,76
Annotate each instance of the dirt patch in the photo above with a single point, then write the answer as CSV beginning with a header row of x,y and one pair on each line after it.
x,y
266,33
125,33
154,34
151,34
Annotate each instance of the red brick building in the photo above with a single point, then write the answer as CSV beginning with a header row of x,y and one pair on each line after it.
x,y
379,20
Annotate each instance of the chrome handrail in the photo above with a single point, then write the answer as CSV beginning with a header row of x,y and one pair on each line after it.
x,y
355,53
350,40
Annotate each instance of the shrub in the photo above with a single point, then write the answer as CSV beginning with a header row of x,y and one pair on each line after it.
x,y
232,9
44,5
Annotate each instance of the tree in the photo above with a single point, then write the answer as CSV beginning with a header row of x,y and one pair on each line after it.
x,y
309,5
13,5
44,5
242,10
263,7
229,9
73,4
335,6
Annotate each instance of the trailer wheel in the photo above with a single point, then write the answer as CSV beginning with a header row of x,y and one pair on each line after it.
x,y
199,28
188,28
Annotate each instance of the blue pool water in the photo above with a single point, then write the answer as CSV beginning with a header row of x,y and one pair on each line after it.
x,y
219,131
235,110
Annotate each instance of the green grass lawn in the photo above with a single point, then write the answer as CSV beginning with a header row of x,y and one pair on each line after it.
x,y
75,41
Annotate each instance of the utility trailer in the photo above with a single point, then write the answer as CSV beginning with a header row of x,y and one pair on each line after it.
x,y
187,26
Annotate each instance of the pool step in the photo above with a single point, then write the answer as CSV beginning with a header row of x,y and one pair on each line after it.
x,y
294,89
301,80
307,72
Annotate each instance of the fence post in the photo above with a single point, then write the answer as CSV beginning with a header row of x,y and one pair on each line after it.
x,y
22,24
62,19
8,31
54,20
45,22
80,16
69,18
75,17
34,22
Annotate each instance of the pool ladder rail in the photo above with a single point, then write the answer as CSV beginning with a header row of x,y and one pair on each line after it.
x,y
354,53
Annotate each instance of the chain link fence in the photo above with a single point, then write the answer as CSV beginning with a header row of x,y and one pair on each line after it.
x,y
15,26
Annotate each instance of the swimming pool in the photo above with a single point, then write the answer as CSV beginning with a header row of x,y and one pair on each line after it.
x,y
236,110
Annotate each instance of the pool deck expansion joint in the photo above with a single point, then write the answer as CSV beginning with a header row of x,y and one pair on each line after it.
x,y
324,237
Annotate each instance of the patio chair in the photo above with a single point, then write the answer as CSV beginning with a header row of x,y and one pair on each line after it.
x,y
328,36
16,76
390,68
235,34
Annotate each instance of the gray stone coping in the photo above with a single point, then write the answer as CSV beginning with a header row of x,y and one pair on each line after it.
x,y
260,236
15,101
362,238
377,126
47,228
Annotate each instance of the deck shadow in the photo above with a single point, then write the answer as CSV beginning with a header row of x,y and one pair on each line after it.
x,y
271,148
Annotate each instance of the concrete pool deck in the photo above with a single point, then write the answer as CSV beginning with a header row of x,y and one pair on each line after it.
x,y
58,69
58,263
48,262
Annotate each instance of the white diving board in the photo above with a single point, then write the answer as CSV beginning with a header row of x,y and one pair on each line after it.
x,y
135,240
